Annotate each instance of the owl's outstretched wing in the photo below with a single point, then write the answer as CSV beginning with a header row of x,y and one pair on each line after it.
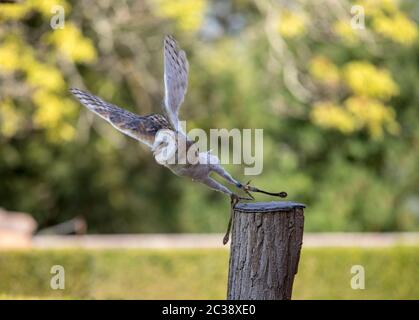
x,y
141,128
176,70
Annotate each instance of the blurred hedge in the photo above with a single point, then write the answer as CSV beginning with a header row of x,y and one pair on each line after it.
x,y
324,273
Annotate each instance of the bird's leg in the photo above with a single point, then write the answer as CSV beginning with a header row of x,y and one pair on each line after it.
x,y
223,173
216,186
234,200
219,187
247,187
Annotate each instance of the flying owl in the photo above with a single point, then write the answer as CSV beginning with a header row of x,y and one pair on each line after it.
x,y
163,133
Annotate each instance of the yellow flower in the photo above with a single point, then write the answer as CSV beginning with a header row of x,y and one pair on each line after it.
x,y
331,116
324,70
9,58
10,118
15,54
366,80
14,11
188,14
344,30
65,132
356,113
19,10
398,28
48,77
373,115
72,43
374,7
45,6
49,109
291,24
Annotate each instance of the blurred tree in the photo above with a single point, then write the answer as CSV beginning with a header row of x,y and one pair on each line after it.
x,y
338,107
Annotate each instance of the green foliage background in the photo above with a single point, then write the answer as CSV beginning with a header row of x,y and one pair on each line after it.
x,y
324,273
339,109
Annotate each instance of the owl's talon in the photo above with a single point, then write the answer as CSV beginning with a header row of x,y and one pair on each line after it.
x,y
248,188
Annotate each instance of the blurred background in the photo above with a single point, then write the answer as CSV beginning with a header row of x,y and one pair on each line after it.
x,y
338,105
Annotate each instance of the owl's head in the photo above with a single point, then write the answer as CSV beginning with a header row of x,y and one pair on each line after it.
x,y
172,148
164,146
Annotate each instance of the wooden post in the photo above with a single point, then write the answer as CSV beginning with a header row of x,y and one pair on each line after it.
x,y
266,240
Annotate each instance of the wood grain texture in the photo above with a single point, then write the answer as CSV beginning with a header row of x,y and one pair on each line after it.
x,y
265,250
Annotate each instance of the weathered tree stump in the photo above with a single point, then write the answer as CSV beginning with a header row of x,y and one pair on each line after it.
x,y
266,240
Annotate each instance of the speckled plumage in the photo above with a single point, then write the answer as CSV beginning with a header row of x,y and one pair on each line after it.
x,y
146,128
142,128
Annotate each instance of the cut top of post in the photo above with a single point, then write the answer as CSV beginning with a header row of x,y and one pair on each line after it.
x,y
272,206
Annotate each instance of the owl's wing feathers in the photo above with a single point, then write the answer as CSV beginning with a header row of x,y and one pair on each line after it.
x,y
176,70
141,128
